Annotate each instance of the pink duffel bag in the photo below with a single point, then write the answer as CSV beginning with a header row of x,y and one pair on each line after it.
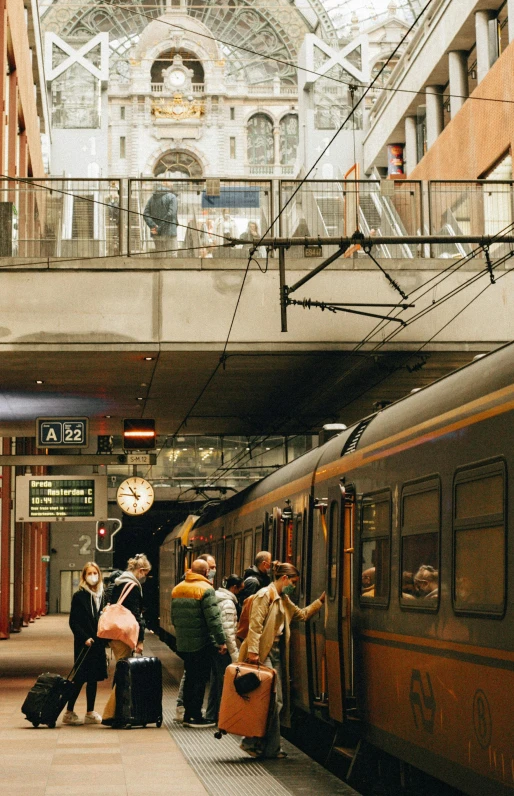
x,y
118,623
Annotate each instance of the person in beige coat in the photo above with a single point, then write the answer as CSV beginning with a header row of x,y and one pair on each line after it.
x,y
267,642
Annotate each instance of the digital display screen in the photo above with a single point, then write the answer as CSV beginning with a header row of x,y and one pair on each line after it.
x,y
66,497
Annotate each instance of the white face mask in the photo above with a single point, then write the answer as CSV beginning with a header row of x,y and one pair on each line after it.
x,y
92,580
211,574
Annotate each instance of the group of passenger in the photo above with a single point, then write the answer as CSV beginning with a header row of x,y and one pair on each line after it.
x,y
422,585
246,619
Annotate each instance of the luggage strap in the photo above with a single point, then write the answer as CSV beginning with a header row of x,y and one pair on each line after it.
x,y
80,660
124,592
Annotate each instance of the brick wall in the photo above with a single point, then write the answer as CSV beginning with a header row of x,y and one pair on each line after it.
x,y
479,134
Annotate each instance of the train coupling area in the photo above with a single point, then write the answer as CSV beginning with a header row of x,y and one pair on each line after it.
x,y
91,758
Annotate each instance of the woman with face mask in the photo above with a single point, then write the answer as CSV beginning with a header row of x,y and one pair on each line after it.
x,y
267,642
86,606
135,574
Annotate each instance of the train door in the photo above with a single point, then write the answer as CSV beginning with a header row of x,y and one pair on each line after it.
x,y
339,528
316,560
228,557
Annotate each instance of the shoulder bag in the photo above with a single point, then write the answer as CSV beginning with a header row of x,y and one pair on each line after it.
x,y
118,623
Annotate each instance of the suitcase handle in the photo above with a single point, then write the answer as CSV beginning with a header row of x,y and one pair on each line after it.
x,y
80,660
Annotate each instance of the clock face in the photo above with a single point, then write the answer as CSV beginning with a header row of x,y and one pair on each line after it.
x,y
135,496
176,78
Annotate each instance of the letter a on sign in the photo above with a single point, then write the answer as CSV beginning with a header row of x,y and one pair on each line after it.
x,y
51,436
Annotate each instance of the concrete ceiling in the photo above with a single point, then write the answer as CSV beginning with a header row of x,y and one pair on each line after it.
x,y
255,392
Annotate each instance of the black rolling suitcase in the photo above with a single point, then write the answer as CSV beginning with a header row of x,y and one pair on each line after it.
x,y
138,684
46,699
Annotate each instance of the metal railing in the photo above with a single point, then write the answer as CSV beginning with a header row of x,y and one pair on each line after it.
x,y
469,207
58,218
341,207
203,216
159,88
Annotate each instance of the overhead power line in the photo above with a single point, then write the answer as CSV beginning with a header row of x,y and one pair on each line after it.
x,y
284,62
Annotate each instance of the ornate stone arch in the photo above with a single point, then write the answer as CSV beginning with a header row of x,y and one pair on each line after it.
x,y
189,152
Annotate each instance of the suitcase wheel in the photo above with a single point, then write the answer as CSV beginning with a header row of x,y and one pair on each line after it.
x,y
35,723
159,722
219,734
127,727
52,725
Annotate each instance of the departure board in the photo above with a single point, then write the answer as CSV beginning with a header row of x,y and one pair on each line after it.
x,y
62,498
55,498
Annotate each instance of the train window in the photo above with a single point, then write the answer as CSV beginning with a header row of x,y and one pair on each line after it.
x,y
248,550
258,539
220,561
375,548
420,523
479,540
333,536
228,557
237,554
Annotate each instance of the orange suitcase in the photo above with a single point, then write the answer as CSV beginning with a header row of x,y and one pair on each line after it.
x,y
247,714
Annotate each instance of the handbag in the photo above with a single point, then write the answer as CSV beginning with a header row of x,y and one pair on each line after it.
x,y
117,623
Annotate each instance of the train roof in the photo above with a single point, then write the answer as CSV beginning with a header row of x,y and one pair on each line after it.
x,y
492,372
486,375
300,467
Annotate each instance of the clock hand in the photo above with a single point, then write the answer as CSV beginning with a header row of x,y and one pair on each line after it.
x,y
127,494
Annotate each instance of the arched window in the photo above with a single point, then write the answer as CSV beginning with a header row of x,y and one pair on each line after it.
x,y
177,164
260,140
288,139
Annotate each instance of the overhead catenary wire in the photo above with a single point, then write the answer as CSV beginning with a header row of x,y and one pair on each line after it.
x,y
294,66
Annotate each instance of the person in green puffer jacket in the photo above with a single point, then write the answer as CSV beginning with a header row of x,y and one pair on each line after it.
x,y
199,635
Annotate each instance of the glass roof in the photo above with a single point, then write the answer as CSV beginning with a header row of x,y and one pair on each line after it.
x,y
343,13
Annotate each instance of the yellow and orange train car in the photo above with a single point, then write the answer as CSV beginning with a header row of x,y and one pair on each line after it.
x,y
404,519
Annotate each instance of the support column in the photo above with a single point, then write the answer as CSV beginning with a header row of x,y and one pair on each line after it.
x,y
23,194
434,98
12,127
411,144
17,611
482,37
3,80
510,15
27,573
5,543
459,89
276,146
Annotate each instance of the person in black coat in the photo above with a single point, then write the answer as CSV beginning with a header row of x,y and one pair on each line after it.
x,y
256,577
90,666
135,575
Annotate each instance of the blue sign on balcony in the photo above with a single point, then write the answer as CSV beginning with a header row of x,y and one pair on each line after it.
x,y
62,432
233,197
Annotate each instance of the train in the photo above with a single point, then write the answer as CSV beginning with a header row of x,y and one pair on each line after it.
x,y
404,520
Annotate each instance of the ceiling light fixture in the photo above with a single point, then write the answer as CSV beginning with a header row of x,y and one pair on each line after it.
x,y
149,359
39,381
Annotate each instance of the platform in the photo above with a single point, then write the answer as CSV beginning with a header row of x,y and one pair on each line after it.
x,y
95,759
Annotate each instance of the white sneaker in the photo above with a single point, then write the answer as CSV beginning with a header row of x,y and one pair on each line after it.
x,y
70,717
92,718
179,713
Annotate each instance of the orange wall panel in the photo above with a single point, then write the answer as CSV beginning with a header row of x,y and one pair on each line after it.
x,y
480,133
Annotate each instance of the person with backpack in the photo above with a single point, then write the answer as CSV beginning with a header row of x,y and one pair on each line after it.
x,y
256,577
161,216
91,666
227,603
267,642
134,576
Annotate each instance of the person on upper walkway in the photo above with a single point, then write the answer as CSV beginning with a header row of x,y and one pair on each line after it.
x,y
199,635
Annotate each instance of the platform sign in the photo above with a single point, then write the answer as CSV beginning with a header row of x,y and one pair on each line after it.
x,y
53,498
62,432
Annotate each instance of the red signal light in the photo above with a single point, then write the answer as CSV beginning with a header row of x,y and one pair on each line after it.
x,y
102,531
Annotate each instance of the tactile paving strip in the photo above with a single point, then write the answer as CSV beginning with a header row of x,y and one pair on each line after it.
x,y
225,770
